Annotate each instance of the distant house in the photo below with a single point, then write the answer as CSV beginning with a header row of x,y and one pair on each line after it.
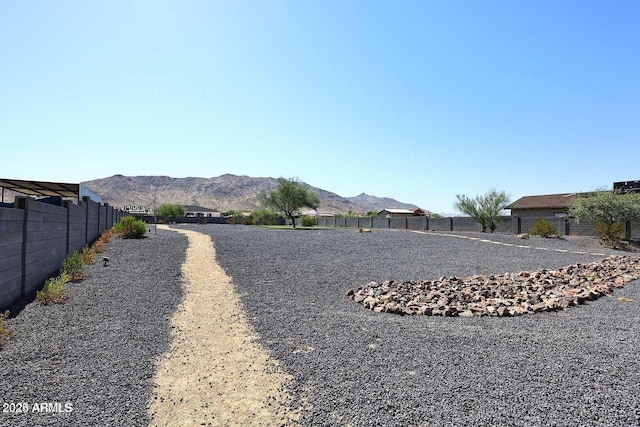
x,y
400,213
191,211
317,213
421,212
137,210
556,205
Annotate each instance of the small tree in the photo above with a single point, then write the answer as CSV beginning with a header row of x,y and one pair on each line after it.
x,y
484,209
169,211
610,211
289,197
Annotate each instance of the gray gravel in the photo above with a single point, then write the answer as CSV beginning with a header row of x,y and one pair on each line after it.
x,y
355,367
358,368
96,351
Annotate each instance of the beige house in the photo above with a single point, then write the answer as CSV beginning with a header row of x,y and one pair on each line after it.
x,y
191,211
400,213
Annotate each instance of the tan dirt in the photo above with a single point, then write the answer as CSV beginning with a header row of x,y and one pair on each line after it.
x,y
215,372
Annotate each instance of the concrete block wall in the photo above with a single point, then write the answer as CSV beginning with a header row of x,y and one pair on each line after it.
x,y
365,222
527,223
45,244
102,219
400,223
35,237
93,212
583,228
418,223
351,222
380,223
564,226
503,223
77,226
466,224
440,224
11,234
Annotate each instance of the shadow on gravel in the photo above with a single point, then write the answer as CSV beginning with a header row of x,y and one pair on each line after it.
x,y
16,308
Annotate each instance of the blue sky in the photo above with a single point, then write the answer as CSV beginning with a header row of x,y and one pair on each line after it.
x,y
415,100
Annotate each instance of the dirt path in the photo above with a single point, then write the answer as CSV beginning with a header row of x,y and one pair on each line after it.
x,y
215,373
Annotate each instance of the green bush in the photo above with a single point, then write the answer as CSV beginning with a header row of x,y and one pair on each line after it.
x,y
307,221
53,290
610,234
130,227
348,214
544,228
73,266
4,331
88,254
169,211
265,217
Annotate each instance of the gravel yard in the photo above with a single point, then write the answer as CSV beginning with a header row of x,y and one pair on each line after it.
x,y
96,351
353,367
350,366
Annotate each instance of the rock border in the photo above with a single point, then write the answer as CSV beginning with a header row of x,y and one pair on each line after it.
x,y
509,294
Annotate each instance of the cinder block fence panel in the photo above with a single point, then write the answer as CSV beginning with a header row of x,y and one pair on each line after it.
x,y
11,224
400,223
77,227
417,223
33,251
46,242
439,224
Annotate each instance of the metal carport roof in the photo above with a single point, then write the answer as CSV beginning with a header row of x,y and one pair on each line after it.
x,y
41,188
47,189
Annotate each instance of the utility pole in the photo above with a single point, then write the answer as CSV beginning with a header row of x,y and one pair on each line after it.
x,y
155,218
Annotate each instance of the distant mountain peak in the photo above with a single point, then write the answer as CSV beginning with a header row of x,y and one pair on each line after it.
x,y
373,203
222,193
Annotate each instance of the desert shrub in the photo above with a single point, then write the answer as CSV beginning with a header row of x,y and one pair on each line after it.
x,y
98,246
610,234
265,217
4,331
73,266
307,221
130,227
543,228
106,235
53,290
347,214
88,254
235,219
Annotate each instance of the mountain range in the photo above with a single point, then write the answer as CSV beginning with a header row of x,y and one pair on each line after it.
x,y
222,193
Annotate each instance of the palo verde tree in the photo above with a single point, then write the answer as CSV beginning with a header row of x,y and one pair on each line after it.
x,y
169,211
289,197
610,211
484,209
